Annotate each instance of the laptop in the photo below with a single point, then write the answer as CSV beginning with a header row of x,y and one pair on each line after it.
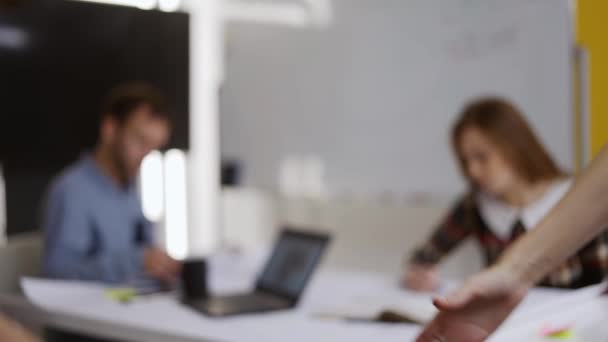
x,y
294,258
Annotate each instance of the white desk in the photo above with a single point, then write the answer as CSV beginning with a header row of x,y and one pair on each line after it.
x,y
161,318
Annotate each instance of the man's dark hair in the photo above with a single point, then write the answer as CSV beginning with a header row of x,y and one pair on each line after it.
x,y
126,98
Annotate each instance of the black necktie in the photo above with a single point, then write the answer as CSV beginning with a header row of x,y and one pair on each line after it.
x,y
517,230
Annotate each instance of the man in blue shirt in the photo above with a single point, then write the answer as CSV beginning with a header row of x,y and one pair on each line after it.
x,y
93,223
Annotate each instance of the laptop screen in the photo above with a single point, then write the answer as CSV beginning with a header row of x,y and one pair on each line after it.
x,y
293,260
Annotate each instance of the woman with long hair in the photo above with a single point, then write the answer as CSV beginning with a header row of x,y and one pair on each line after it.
x,y
513,184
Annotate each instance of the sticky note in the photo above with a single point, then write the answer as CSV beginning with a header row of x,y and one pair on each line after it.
x,y
564,335
121,295
554,330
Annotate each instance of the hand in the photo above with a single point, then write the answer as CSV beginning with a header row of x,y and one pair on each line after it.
x,y
475,311
12,332
421,278
160,265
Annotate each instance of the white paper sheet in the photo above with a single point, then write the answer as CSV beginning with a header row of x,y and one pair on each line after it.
x,y
555,308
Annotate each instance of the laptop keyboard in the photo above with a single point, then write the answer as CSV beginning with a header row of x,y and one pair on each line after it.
x,y
244,303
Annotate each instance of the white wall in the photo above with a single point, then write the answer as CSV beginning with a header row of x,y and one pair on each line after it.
x,y
366,235
375,93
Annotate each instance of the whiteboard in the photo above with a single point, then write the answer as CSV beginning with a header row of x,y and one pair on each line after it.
x,y
374,95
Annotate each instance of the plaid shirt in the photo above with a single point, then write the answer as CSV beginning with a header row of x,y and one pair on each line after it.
x,y
588,266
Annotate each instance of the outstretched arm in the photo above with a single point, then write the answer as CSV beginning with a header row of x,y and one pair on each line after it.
x,y
476,310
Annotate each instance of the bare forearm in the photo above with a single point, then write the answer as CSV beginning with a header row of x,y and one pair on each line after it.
x,y
12,332
580,216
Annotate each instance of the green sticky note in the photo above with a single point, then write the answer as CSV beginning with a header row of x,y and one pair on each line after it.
x,y
121,295
562,335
